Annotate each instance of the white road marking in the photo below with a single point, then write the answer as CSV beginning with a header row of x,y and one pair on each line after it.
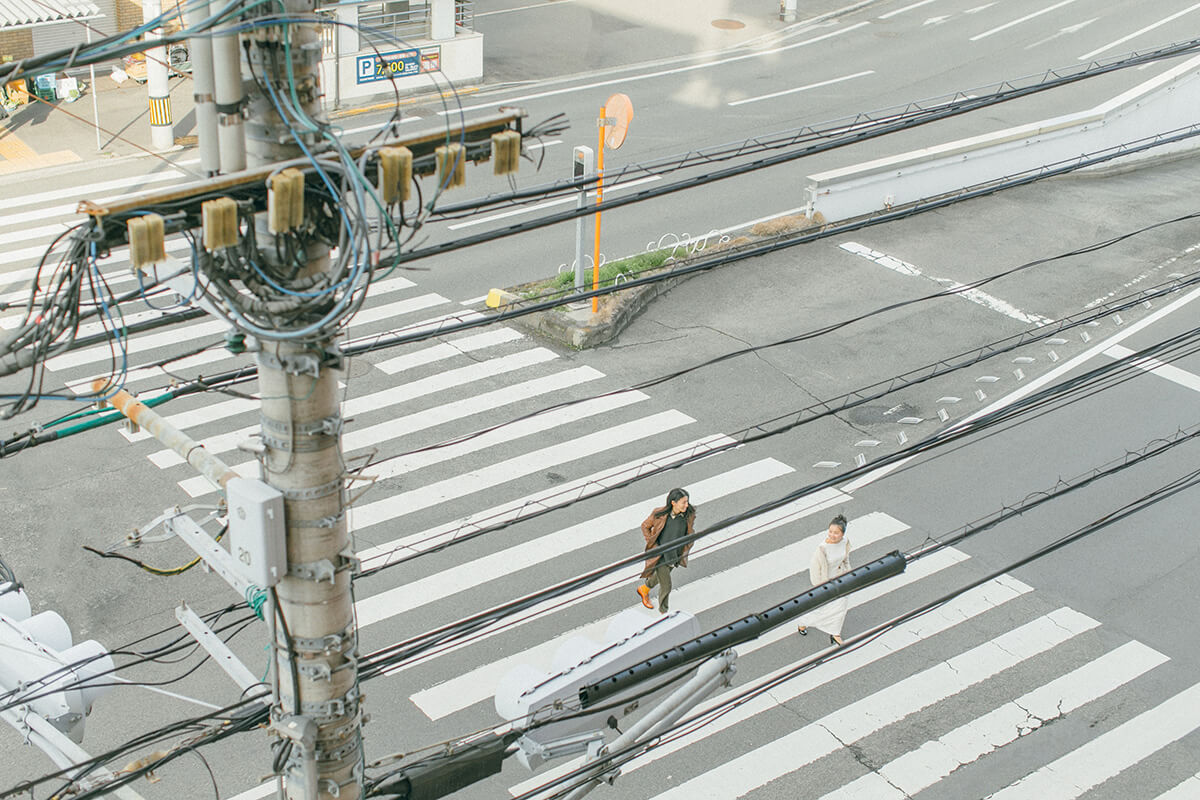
x,y
1039,382
518,429
964,608
900,11
1188,380
522,8
379,125
145,373
516,509
805,88
200,485
698,596
47,232
431,494
440,352
137,344
433,324
1150,27
509,561
931,762
150,341
851,723
262,790
976,296
1188,790
1111,753
1076,28
81,192
631,78
1025,18
359,438
548,204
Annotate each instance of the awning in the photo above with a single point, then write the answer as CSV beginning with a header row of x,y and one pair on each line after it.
x,y
28,13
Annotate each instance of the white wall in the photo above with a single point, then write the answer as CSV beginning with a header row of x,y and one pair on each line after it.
x,y
461,60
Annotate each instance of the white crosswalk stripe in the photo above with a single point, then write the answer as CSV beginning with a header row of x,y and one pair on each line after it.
x,y
701,595
933,761
960,610
454,450
1111,753
853,722
379,555
367,436
1188,790
430,494
506,562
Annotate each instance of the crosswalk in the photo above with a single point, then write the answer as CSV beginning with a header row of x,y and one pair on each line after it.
x,y
949,704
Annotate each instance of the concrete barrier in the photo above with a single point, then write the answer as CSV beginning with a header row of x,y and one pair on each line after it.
x,y
1164,103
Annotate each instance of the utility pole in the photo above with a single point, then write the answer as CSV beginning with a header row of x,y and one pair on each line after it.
x,y
316,639
162,131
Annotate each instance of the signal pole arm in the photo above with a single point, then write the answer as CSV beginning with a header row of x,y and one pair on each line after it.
x,y
718,671
59,747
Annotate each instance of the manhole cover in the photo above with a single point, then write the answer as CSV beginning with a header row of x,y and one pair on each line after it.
x,y
728,24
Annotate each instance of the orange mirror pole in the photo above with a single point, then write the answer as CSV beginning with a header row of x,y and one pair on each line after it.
x,y
599,198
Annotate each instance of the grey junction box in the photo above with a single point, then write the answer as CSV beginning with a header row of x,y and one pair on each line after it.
x,y
256,530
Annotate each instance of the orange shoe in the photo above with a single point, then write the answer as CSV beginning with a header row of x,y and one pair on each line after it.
x,y
644,591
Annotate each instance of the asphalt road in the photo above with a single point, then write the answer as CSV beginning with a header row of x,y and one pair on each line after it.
x,y
1122,594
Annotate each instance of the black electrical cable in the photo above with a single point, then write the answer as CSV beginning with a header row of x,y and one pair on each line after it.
x,y
525,308
700,719
409,649
855,136
766,428
863,125
1062,488
811,334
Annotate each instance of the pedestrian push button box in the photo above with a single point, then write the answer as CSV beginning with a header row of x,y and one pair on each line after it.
x,y
256,530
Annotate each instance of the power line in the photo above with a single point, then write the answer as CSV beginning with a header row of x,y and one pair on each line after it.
x,y
735,699
409,649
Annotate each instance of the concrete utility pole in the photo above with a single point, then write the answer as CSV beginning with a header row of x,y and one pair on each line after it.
x,y
316,639
162,130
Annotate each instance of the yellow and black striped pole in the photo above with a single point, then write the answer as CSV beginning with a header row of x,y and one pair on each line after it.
x,y
162,132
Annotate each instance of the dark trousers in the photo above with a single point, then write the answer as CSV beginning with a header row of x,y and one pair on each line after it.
x,y
661,577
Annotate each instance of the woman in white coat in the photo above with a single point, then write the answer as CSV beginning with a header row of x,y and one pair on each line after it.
x,y
831,559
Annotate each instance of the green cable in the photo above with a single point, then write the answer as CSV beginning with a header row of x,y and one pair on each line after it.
x,y
256,598
104,419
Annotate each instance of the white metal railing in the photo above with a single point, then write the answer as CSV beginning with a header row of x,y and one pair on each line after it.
x,y
464,14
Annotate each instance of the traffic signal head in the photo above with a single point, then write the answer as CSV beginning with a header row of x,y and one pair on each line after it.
x,y
41,668
531,694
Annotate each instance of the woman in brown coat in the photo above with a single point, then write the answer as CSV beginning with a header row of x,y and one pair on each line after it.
x,y
673,520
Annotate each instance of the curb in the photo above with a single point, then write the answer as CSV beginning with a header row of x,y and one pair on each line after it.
x,y
580,329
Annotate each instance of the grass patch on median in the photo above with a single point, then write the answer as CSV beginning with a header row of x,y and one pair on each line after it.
x,y
563,283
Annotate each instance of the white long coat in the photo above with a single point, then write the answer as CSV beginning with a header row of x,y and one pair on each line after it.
x,y
828,562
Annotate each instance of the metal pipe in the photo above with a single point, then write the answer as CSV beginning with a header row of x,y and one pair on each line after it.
x,y
229,96
709,676
200,53
192,451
